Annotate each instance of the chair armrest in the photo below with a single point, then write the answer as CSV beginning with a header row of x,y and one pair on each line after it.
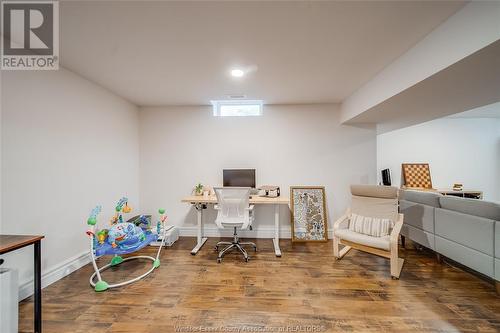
x,y
397,229
344,218
251,207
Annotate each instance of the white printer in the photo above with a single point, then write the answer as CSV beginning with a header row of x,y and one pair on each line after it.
x,y
269,191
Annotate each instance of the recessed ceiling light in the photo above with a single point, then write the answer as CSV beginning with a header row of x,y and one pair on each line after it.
x,y
237,72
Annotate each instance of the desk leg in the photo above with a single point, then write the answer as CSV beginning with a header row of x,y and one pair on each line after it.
x,y
38,287
276,239
200,240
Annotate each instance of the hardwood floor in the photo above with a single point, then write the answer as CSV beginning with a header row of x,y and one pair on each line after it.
x,y
304,291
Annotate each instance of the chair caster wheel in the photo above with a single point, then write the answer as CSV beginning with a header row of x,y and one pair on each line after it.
x,y
255,249
216,248
247,259
394,278
219,260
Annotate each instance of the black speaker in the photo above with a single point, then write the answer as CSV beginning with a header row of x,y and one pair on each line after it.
x,y
386,177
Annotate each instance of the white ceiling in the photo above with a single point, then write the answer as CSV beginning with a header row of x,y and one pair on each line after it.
x,y
179,53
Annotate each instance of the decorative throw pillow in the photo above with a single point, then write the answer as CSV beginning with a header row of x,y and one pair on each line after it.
x,y
371,226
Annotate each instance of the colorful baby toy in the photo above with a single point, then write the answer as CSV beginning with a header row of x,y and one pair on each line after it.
x,y
92,220
121,238
102,235
125,235
143,221
161,221
121,207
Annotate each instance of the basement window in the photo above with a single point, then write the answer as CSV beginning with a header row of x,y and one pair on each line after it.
x,y
237,108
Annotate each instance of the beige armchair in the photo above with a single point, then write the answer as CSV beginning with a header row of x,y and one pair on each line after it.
x,y
373,201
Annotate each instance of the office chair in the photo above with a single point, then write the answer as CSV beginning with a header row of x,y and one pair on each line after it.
x,y
233,211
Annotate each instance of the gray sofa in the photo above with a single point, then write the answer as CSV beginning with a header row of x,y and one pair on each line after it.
x,y
464,230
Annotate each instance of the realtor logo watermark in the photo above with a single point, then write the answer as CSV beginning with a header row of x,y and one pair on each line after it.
x,y
30,35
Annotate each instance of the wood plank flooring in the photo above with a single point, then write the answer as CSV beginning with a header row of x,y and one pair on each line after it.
x,y
304,291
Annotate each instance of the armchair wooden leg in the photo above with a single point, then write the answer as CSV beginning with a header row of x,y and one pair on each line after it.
x,y
337,252
335,247
340,253
396,262
396,267
344,251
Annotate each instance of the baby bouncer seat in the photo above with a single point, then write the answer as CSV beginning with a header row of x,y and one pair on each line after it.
x,y
122,238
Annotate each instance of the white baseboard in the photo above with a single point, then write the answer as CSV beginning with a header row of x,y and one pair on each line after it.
x,y
56,273
256,233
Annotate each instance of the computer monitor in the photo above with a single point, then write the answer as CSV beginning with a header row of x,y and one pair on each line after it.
x,y
239,177
386,177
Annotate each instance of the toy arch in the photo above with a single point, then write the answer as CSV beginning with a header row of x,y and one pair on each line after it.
x,y
102,285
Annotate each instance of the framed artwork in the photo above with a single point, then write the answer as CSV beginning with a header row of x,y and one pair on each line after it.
x,y
308,214
416,175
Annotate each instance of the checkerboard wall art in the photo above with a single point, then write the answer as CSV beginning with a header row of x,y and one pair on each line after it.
x,y
417,175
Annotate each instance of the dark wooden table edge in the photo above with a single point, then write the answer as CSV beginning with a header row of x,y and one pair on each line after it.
x,y
14,246
28,240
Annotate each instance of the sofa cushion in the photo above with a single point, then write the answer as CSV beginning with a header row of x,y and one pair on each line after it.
x,y
471,231
418,215
349,235
371,226
497,240
419,236
466,256
497,269
423,197
486,209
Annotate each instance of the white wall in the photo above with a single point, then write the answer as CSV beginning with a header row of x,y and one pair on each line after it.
x,y
67,145
288,145
459,150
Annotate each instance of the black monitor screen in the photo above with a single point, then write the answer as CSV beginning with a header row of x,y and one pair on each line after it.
x,y
239,177
386,177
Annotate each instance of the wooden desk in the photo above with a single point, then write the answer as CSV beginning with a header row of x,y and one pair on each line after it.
x,y
10,243
201,202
